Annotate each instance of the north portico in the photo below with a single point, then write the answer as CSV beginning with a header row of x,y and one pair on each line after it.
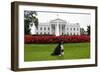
x,y
58,27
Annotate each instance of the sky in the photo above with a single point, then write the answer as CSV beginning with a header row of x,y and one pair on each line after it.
x,y
70,15
81,18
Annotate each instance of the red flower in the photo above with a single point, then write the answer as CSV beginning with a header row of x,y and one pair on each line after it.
x,y
54,39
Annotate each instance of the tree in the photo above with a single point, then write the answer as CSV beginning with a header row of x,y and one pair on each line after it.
x,y
82,31
88,30
29,19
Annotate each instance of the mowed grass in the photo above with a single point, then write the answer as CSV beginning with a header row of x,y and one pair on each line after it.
x,y
42,52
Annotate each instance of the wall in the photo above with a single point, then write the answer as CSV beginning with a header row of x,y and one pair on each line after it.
x,y
5,31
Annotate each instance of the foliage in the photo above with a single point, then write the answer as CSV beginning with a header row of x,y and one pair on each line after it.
x,y
82,31
29,19
29,39
88,29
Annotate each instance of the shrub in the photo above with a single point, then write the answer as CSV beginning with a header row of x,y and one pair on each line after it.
x,y
29,39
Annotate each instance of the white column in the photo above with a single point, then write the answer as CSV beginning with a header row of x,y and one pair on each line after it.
x,y
33,28
57,29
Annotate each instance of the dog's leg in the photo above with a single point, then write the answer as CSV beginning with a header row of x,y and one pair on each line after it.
x,y
62,50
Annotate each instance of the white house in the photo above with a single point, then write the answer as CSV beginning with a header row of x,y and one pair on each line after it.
x,y
58,27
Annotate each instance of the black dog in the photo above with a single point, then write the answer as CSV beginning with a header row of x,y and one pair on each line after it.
x,y
59,50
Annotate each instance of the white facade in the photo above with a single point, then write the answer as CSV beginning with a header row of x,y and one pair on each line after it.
x,y
58,27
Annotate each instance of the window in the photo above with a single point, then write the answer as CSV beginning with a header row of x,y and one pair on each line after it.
x,y
48,28
77,33
44,28
40,32
70,33
74,28
44,32
41,28
67,33
67,29
62,27
62,33
70,28
73,33
77,29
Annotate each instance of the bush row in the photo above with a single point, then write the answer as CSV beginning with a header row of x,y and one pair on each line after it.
x,y
29,39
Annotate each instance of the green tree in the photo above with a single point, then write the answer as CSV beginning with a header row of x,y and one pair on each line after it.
x,y
82,31
88,30
29,19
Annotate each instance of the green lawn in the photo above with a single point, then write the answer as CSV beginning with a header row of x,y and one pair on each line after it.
x,y
39,52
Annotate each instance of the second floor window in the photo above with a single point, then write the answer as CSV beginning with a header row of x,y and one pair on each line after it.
x,y
41,28
70,28
44,28
77,29
48,28
74,28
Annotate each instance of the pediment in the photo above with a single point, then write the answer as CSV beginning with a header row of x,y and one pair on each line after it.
x,y
58,20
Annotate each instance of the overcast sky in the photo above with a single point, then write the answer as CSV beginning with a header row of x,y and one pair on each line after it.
x,y
71,15
82,19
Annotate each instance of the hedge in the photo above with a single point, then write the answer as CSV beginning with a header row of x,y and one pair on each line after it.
x,y
29,39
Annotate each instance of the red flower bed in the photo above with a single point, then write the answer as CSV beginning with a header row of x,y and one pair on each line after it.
x,y
55,39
